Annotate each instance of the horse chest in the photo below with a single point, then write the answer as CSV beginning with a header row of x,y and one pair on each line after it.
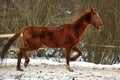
x,y
72,40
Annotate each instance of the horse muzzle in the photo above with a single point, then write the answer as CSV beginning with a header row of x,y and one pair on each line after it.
x,y
101,27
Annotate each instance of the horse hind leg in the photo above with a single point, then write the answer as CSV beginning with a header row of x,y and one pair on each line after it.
x,y
24,51
30,45
20,55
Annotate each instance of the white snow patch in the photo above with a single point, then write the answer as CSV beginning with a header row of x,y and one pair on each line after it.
x,y
42,69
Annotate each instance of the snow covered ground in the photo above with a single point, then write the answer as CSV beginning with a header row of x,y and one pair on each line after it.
x,y
42,69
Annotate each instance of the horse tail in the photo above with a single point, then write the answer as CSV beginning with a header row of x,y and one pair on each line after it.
x,y
6,47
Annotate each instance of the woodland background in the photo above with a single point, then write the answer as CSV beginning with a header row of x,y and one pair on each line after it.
x,y
98,47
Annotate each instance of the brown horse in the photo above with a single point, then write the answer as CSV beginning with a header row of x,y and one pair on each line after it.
x,y
65,36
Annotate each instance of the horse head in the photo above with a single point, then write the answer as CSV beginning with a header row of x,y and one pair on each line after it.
x,y
95,19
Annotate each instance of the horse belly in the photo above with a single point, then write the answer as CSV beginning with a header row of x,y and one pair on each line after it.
x,y
53,43
53,38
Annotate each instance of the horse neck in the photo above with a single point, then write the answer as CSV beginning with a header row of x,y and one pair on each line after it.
x,y
80,26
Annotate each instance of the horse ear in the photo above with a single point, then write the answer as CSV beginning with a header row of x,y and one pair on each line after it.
x,y
93,9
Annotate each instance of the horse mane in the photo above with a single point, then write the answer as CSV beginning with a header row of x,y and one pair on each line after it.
x,y
78,22
83,13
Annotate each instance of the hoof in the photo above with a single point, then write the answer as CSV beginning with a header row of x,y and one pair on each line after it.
x,y
25,64
19,69
69,68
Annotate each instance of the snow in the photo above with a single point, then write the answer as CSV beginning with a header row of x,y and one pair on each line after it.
x,y
42,69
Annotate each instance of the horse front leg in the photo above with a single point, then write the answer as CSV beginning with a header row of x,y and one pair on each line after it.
x,y
77,55
20,55
68,50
